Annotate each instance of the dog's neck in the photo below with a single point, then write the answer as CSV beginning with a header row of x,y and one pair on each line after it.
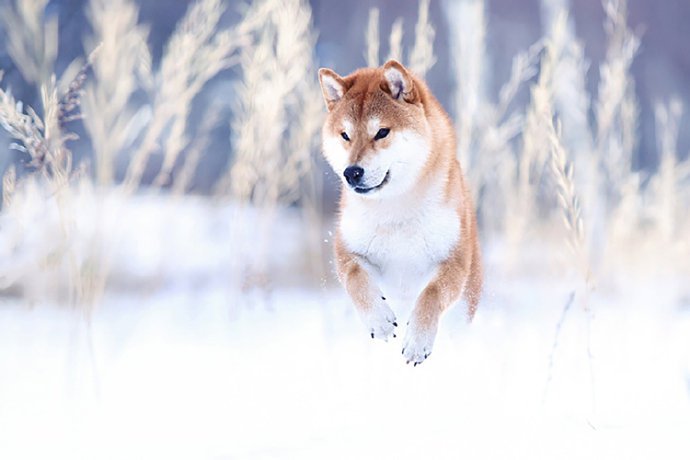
x,y
424,194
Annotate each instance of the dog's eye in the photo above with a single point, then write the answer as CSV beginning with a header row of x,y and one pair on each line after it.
x,y
345,136
383,132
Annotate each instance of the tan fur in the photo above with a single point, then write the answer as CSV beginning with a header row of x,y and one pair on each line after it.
x,y
365,94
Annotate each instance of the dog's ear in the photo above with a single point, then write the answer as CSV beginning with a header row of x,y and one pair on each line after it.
x,y
332,87
398,82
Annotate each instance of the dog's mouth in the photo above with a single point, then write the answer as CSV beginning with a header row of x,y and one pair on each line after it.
x,y
364,190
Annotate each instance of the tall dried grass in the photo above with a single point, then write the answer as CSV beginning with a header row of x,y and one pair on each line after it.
x,y
616,127
277,118
668,210
122,66
566,154
420,58
31,38
43,139
467,38
195,53
506,147
372,38
395,48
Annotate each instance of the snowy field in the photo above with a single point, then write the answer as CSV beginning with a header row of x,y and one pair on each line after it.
x,y
186,365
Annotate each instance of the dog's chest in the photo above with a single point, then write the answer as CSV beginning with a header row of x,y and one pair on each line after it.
x,y
401,242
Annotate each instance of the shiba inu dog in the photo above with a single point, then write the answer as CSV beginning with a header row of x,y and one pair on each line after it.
x,y
406,215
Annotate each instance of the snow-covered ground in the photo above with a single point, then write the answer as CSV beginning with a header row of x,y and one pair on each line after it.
x,y
190,366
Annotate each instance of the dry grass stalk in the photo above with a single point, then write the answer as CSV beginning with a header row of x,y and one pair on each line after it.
x,y
615,106
571,102
468,36
570,98
195,53
395,48
569,203
123,63
535,148
568,200
372,38
524,67
27,128
31,38
486,131
618,214
422,57
43,138
196,150
9,184
493,160
279,114
665,186
275,85
541,133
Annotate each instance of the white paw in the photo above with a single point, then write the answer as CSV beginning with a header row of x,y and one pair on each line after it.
x,y
418,343
379,320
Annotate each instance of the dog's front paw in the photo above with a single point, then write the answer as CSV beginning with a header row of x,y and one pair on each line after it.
x,y
418,342
379,320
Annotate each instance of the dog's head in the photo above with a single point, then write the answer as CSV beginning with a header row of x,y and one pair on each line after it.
x,y
376,136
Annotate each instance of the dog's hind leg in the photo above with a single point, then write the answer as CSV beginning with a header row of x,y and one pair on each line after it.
x,y
473,286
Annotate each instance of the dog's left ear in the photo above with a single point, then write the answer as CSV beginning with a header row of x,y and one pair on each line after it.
x,y
398,82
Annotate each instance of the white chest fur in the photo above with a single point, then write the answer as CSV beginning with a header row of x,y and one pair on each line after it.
x,y
401,242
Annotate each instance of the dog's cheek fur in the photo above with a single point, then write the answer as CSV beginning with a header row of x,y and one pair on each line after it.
x,y
406,158
335,153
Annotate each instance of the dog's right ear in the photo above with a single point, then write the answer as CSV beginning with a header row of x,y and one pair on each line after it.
x,y
332,86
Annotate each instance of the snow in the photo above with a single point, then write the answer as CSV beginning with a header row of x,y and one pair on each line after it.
x,y
191,366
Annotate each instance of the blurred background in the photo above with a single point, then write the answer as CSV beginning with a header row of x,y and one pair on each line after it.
x,y
166,279
661,67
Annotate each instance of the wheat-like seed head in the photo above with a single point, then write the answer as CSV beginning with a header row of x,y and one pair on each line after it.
x,y
278,115
422,54
615,106
195,53
27,128
570,98
121,66
278,102
31,39
42,138
467,38
665,185
523,68
395,40
568,199
372,38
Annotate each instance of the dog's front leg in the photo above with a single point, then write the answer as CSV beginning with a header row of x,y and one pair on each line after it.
x,y
441,292
369,301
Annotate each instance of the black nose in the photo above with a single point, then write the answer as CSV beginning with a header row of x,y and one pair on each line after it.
x,y
353,175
